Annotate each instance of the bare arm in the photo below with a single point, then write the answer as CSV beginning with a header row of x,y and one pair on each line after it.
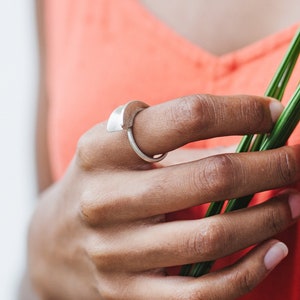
x,y
43,171
44,176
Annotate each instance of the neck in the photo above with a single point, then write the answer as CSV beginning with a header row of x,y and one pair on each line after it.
x,y
224,26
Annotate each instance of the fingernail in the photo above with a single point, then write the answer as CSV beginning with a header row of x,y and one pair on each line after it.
x,y
276,109
275,255
294,202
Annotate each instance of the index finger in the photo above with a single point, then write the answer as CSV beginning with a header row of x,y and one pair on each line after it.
x,y
173,124
165,127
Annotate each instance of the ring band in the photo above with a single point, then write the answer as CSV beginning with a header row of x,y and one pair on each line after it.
x,y
122,118
138,151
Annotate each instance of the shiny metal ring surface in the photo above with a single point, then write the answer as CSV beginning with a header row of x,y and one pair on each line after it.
x,y
122,118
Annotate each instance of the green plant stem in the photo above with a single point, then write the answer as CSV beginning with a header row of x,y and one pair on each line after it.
x,y
278,137
276,90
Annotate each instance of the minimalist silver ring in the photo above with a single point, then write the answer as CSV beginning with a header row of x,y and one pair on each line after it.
x,y
122,118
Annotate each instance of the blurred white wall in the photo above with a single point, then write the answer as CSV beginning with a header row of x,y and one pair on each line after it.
x,y
18,85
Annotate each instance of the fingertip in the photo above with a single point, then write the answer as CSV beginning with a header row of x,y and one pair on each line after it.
x,y
276,109
293,197
275,255
294,202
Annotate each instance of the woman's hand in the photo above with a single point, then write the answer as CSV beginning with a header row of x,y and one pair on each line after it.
x,y
100,232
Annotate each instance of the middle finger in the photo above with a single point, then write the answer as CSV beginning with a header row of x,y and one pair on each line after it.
x,y
174,188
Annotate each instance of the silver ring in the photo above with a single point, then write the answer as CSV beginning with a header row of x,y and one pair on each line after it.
x,y
122,118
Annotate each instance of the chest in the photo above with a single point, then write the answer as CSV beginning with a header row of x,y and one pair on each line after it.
x,y
224,26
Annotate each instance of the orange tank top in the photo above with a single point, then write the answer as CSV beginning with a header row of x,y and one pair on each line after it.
x,y
103,53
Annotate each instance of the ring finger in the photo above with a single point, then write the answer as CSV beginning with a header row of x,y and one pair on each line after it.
x,y
183,242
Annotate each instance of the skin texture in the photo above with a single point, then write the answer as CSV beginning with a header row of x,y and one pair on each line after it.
x,y
110,208
100,232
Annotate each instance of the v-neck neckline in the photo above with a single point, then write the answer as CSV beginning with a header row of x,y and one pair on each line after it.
x,y
201,55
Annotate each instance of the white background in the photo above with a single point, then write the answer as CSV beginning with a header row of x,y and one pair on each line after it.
x,y
18,94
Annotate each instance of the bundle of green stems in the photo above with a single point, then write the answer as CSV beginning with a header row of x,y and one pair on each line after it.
x,y
278,137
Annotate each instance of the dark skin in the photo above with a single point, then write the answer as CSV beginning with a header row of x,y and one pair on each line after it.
x,y
81,255
91,241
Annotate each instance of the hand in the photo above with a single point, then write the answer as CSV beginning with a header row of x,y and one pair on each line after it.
x,y
100,232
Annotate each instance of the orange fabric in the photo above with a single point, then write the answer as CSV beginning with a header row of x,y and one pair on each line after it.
x,y
102,53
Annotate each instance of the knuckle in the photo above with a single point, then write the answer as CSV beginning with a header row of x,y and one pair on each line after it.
x,y
116,284
96,211
275,220
84,153
194,111
246,280
208,242
204,111
101,253
219,175
86,210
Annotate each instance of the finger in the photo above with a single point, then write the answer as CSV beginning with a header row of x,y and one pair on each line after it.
x,y
173,124
138,195
167,126
227,284
241,278
184,242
